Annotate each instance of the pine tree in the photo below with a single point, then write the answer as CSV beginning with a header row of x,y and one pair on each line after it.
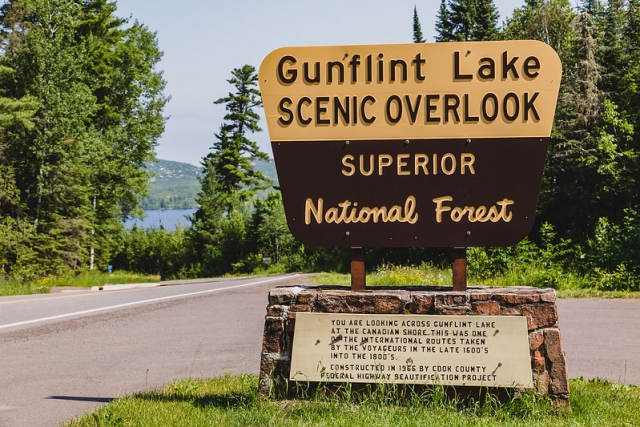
x,y
78,168
463,18
486,21
269,230
417,29
582,94
16,232
592,7
570,173
53,168
631,91
128,118
444,27
614,57
466,20
230,164
219,227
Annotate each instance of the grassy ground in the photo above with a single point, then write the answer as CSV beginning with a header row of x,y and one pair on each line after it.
x,y
233,401
567,285
85,279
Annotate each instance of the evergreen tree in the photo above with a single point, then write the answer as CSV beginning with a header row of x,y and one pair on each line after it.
x,y
593,7
614,51
16,232
417,29
52,173
568,176
444,26
129,103
77,169
486,21
631,88
467,20
270,232
229,180
582,95
463,18
230,164
592,159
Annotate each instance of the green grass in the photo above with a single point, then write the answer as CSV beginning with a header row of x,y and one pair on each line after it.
x,y
234,401
83,279
595,293
566,284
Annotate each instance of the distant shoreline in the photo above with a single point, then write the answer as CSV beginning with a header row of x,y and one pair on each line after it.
x,y
167,219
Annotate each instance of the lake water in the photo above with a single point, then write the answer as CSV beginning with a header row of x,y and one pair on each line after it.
x,y
169,219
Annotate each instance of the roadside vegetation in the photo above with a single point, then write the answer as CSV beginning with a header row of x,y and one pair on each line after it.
x,y
552,263
79,87
234,401
82,280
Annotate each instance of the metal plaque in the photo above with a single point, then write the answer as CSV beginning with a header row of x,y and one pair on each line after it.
x,y
491,351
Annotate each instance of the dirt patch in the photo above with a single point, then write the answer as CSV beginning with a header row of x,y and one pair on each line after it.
x,y
58,289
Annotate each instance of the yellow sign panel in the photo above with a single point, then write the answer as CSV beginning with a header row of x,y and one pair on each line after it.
x,y
415,91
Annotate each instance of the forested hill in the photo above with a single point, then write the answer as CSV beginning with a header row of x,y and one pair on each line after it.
x,y
175,185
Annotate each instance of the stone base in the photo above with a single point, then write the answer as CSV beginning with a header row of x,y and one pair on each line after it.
x,y
548,362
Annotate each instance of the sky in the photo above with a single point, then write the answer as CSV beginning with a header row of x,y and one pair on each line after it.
x,y
203,41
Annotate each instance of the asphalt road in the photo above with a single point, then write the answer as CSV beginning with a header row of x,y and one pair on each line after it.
x,y
62,355
601,338
54,369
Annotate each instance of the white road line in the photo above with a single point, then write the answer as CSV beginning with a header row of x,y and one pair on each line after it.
x,y
128,304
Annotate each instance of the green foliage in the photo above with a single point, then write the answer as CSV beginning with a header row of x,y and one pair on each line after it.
x,y
80,114
485,26
271,233
618,280
589,192
417,28
613,253
230,164
17,286
156,252
463,16
552,252
546,20
233,400
444,26
229,182
466,20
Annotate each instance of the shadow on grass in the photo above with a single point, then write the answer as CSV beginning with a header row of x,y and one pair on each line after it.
x,y
225,401
82,399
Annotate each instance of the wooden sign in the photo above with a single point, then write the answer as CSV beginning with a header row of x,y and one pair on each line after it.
x,y
411,145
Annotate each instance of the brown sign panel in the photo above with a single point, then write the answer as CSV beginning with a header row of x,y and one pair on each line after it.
x,y
404,193
424,144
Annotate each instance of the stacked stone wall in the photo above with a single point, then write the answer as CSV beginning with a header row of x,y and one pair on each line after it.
x,y
548,362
